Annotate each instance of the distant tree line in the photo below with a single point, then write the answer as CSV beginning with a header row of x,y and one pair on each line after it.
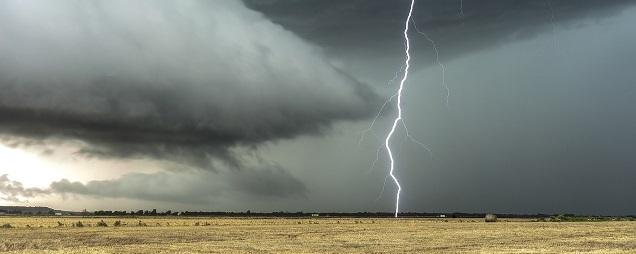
x,y
48,211
152,212
286,214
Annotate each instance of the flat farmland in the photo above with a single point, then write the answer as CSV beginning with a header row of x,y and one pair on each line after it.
x,y
305,235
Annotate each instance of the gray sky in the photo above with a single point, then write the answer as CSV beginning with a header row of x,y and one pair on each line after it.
x,y
260,105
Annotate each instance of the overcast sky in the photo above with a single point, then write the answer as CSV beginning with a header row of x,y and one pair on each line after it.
x,y
270,105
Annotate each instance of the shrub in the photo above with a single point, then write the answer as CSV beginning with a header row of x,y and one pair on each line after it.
x,y
79,224
117,223
6,226
141,224
102,224
60,224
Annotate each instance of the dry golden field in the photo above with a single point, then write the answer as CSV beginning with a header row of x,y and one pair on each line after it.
x,y
323,235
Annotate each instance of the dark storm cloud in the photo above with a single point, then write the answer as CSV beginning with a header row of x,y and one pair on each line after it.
x,y
195,81
540,112
183,80
374,27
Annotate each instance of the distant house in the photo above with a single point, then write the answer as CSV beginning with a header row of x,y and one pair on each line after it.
x,y
315,215
442,215
58,214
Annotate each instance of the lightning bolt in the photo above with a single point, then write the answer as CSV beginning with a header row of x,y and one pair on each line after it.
x,y
441,65
398,119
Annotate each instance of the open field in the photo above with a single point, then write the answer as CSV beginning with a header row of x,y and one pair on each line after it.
x,y
305,235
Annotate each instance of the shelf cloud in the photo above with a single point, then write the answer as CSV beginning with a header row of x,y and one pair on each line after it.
x,y
182,80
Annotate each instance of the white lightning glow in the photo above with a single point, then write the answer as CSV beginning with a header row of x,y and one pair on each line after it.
x,y
387,142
